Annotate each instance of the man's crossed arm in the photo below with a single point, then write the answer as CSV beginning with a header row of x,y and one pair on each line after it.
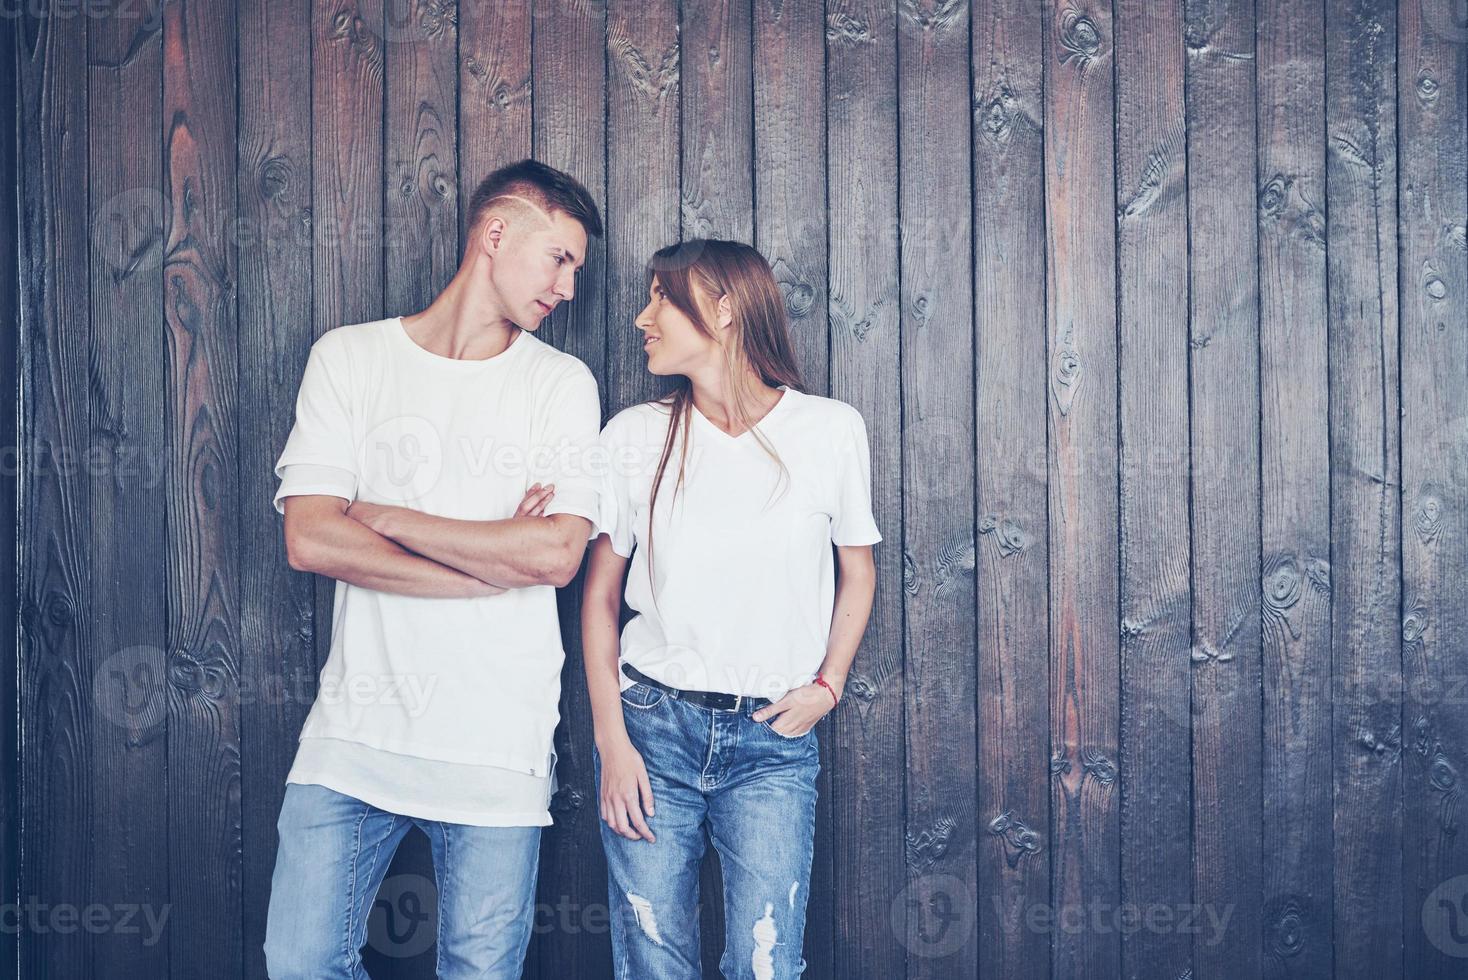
x,y
396,549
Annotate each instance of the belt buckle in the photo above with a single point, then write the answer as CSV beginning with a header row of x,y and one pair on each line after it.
x,y
735,707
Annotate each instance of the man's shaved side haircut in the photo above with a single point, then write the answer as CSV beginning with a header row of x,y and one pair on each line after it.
x,y
547,188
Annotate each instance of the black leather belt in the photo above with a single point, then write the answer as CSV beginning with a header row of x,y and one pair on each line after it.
x,y
715,700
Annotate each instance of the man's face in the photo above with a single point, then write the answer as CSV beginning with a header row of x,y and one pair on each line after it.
x,y
535,264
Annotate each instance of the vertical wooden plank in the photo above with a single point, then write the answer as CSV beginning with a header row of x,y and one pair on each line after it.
x,y
55,594
346,176
10,372
790,231
865,740
128,443
642,203
1082,433
494,92
1224,391
937,366
1152,365
790,171
569,133
1294,491
1365,483
718,122
1432,99
201,488
1013,568
277,621
718,202
421,193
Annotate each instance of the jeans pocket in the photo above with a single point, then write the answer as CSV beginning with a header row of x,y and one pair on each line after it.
x,y
643,697
770,724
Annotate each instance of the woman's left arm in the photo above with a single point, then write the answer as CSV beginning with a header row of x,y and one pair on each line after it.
x,y
856,584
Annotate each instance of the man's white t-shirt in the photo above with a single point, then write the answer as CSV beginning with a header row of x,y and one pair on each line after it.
x,y
742,560
466,682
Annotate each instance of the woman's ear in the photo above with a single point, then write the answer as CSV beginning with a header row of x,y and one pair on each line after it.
x,y
725,311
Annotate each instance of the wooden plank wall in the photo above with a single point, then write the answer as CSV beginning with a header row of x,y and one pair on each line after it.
x,y
1158,316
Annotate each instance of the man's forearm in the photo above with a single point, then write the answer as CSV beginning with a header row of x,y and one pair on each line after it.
x,y
354,553
514,552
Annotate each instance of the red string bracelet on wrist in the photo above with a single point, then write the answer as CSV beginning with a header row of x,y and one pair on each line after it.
x,y
822,681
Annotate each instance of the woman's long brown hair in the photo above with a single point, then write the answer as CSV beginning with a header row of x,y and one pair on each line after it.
x,y
710,268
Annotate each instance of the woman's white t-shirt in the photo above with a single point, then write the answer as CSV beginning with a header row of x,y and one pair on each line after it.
x,y
744,576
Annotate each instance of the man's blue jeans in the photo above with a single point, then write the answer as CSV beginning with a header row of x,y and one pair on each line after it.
x,y
755,789
334,852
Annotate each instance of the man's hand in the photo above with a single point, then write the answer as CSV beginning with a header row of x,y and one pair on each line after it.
x,y
379,517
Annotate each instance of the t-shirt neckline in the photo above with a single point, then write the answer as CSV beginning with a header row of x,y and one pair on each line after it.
x,y
400,331
774,410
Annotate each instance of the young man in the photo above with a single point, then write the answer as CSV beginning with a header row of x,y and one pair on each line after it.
x,y
435,471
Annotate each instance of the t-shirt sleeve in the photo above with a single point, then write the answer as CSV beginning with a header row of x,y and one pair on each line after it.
x,y
303,479
566,445
322,433
852,523
614,498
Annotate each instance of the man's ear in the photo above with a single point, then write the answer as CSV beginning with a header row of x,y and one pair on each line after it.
x,y
492,234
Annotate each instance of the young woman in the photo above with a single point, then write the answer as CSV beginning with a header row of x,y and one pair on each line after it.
x,y
726,497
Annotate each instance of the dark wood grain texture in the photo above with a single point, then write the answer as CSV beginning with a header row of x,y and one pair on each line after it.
x,y
1082,431
1223,371
420,142
1365,484
130,439
1432,109
494,92
277,607
1012,544
201,487
1157,314
1294,492
58,798
11,377
1155,809
864,736
937,370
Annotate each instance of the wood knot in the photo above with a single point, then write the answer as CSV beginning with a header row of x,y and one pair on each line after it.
x,y
1019,839
1079,36
60,609
860,688
566,800
1098,766
275,177
1285,917
930,845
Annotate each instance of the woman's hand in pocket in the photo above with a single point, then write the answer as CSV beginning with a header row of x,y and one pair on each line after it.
x,y
533,504
797,712
626,792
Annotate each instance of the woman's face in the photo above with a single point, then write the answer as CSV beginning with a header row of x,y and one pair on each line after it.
x,y
672,342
